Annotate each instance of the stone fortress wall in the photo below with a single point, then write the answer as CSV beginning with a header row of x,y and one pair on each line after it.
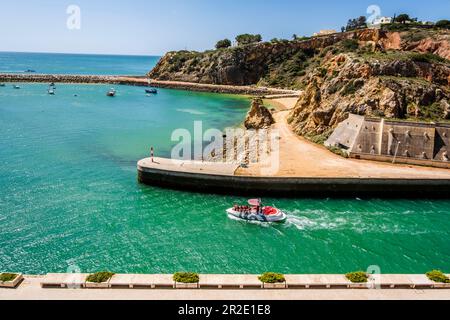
x,y
394,141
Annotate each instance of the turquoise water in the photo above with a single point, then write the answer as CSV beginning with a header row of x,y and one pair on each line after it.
x,y
69,197
14,62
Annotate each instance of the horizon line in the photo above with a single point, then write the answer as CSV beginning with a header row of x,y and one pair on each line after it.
x,y
83,53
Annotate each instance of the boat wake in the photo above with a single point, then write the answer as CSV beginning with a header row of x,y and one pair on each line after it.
x,y
317,220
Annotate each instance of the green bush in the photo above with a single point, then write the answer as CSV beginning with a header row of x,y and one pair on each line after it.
x,y
319,138
271,277
6,277
357,277
403,18
438,276
397,27
350,44
433,112
335,87
338,151
352,87
186,277
426,57
100,277
445,24
226,43
244,39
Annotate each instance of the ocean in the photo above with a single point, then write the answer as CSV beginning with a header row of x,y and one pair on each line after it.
x,y
83,64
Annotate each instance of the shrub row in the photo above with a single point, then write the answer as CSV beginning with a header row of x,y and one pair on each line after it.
x,y
268,277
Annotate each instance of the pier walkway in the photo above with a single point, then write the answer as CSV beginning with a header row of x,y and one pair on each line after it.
x,y
222,178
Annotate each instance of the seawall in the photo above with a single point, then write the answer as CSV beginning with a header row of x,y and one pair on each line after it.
x,y
212,181
215,88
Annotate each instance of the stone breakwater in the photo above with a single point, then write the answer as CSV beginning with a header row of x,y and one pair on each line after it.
x,y
216,88
89,79
246,90
144,81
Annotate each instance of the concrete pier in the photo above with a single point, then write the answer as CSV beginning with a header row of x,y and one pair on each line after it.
x,y
219,178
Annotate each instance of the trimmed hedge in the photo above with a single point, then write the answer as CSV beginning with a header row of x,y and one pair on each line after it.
x,y
438,276
100,277
357,277
271,277
6,277
186,277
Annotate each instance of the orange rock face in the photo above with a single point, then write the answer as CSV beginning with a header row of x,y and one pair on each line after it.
x,y
391,41
440,48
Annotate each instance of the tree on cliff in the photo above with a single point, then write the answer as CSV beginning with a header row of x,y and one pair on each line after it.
x,y
225,43
403,18
244,39
445,24
358,23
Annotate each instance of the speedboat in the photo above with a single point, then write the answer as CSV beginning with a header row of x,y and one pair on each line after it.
x,y
257,212
51,92
111,93
16,87
151,91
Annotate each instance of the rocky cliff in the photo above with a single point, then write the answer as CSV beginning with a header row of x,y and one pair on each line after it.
x,y
278,64
368,72
391,84
259,117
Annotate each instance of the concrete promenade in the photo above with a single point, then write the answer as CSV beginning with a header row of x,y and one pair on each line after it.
x,y
218,178
219,168
30,289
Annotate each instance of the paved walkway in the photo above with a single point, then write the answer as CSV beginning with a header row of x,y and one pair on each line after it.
x,y
185,166
30,290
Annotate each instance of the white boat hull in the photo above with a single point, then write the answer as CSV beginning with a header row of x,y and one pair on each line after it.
x,y
278,216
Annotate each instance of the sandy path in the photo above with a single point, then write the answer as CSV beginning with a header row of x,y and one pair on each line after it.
x,y
301,158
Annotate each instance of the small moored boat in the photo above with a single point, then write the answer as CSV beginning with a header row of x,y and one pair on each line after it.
x,y
151,91
111,93
51,89
257,212
2,85
16,87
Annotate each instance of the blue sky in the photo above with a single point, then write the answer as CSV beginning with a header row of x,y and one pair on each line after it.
x,y
152,27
